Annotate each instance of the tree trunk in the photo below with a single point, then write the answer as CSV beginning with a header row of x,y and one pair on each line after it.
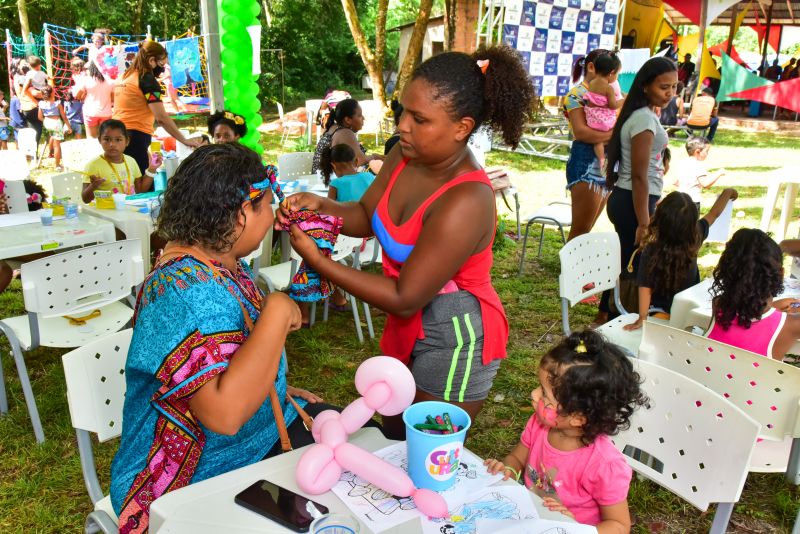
x,y
414,45
137,18
23,21
267,8
373,60
449,24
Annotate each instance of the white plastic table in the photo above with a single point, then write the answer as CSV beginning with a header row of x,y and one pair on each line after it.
x,y
34,238
133,224
207,507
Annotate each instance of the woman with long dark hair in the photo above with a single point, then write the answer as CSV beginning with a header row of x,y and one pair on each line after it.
x,y
635,168
342,127
97,95
585,181
137,103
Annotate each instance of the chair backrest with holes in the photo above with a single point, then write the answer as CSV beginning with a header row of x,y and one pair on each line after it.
x,y
83,279
698,443
13,165
344,247
69,185
95,376
763,388
16,198
26,141
589,258
294,164
78,152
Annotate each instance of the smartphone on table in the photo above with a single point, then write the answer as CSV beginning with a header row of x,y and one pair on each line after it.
x,y
279,504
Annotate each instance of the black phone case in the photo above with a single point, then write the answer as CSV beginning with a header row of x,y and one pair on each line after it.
x,y
271,517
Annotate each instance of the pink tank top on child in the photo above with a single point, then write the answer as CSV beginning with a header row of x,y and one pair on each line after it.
x,y
599,116
759,338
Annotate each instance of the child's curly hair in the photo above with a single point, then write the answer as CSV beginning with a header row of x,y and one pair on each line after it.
x,y
749,273
673,243
598,383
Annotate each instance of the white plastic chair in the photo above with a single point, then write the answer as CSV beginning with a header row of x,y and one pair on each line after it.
x,y
594,258
763,388
76,284
312,108
78,152
557,214
26,143
16,198
347,248
288,124
69,185
372,118
278,277
369,253
13,165
95,376
294,164
695,443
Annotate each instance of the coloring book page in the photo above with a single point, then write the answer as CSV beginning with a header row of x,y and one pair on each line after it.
x,y
532,526
499,502
380,510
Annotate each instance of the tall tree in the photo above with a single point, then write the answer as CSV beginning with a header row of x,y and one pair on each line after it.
x,y
449,24
414,44
372,59
23,20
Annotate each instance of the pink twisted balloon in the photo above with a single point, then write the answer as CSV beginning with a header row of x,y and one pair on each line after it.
x,y
387,387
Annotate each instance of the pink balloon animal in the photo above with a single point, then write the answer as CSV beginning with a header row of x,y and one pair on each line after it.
x,y
388,388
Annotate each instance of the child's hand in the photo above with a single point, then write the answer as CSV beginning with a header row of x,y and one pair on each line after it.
x,y
787,305
731,192
636,325
96,181
496,466
156,159
278,305
554,506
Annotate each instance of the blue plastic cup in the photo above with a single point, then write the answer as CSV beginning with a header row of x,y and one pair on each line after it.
x,y
433,458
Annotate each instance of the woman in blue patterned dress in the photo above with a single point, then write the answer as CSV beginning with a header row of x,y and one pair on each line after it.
x,y
207,346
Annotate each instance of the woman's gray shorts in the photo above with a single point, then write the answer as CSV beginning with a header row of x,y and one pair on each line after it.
x,y
448,363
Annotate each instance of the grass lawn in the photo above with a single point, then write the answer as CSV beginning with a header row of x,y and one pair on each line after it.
x,y
42,490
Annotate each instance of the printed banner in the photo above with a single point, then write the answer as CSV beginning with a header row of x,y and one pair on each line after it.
x,y
184,61
552,34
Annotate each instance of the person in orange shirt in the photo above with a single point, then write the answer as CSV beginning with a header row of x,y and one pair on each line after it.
x,y
704,113
137,103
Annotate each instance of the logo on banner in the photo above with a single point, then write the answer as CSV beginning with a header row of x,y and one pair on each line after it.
x,y
551,64
540,40
567,42
584,18
562,87
543,13
537,65
529,14
554,41
594,42
538,85
570,20
580,44
609,23
574,3
557,18
599,5
549,86
510,35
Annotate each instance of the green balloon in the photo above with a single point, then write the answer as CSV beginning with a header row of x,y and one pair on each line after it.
x,y
236,42
256,121
254,10
231,7
231,91
232,23
230,72
229,57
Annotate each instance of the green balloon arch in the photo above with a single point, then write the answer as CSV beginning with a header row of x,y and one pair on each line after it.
x,y
240,87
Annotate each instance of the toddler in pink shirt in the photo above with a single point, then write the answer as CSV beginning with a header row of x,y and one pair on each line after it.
x,y
588,391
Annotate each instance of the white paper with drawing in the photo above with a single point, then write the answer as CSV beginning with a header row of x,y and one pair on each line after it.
x,y
721,229
531,526
498,502
380,510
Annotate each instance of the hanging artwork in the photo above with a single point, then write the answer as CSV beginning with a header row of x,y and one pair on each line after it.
x,y
184,60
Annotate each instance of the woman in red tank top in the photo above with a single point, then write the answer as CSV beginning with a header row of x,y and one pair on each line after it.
x,y
432,209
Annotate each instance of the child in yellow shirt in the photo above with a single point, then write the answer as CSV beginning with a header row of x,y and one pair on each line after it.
x,y
114,171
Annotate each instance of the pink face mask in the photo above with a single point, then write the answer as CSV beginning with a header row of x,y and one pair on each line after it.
x,y
547,415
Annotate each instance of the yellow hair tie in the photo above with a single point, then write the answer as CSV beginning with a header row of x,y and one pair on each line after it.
x,y
581,348
233,117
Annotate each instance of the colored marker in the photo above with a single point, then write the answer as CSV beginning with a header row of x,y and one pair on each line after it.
x,y
439,420
430,420
431,427
449,422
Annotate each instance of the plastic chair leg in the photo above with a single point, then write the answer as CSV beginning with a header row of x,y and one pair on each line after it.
x,y
325,309
541,242
25,382
516,208
313,318
524,245
368,316
721,518
357,319
793,467
3,398
563,237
